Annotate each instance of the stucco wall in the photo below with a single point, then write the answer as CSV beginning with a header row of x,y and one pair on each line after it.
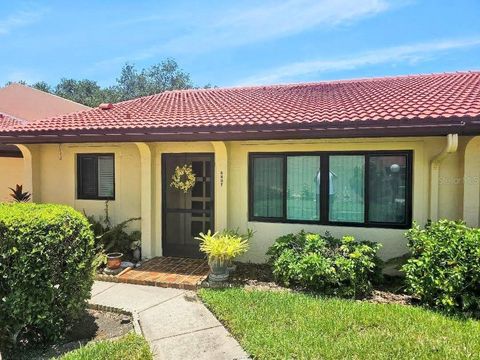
x,y
11,173
471,181
55,181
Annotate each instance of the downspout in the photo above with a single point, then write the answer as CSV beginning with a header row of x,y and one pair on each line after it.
x,y
450,148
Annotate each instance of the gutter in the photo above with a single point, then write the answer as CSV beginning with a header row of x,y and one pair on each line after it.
x,y
434,127
450,148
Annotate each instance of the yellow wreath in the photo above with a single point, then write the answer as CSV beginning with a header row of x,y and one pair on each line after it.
x,y
183,178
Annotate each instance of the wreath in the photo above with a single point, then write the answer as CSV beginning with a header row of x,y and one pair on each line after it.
x,y
183,178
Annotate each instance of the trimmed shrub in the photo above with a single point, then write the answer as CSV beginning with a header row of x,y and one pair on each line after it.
x,y
342,267
444,270
47,263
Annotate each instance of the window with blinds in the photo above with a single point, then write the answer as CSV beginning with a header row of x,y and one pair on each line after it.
x,y
332,188
96,176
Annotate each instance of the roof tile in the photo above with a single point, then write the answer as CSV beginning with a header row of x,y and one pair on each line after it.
x,y
392,98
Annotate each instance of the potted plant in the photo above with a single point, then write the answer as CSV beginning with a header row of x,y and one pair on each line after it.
x,y
221,249
114,260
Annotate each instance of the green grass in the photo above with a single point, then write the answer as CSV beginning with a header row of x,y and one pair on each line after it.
x,y
281,325
131,347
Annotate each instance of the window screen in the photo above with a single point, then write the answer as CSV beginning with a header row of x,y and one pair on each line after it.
x,y
95,176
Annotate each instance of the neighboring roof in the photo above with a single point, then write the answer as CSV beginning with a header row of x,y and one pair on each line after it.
x,y
432,104
30,104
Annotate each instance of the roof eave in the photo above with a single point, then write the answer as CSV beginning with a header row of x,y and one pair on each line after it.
x,y
340,129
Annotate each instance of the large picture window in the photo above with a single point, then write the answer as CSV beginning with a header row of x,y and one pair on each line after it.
x,y
96,176
337,188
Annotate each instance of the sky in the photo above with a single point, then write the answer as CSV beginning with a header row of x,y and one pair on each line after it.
x,y
238,43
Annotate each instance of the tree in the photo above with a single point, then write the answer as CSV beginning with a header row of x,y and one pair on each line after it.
x,y
160,77
86,92
132,83
22,82
43,86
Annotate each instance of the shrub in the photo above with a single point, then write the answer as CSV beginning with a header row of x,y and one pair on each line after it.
x,y
342,267
47,263
444,270
114,238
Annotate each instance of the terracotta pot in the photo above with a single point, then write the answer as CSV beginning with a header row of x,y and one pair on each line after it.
x,y
114,260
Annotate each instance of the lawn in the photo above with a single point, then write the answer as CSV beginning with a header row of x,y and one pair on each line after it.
x,y
282,325
131,347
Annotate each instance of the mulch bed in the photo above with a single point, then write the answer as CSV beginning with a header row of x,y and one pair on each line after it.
x,y
260,277
93,326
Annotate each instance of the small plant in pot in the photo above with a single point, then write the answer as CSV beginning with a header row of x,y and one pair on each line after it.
x,y
115,240
114,260
221,249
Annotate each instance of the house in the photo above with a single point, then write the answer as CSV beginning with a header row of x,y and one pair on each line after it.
x,y
20,104
360,157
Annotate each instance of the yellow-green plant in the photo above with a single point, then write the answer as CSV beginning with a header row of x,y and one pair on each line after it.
x,y
225,245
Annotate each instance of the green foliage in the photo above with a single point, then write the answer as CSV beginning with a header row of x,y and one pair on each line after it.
x,y
132,83
444,270
18,195
115,238
131,347
225,245
342,267
47,265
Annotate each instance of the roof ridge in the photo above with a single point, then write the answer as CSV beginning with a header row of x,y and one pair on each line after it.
x,y
310,83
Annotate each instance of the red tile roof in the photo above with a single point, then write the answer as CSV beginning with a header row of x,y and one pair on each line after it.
x,y
7,121
428,100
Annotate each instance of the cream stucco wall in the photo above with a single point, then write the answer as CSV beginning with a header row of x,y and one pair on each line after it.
x,y
11,173
139,182
55,172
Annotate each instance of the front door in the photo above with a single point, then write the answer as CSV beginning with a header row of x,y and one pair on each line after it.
x,y
186,214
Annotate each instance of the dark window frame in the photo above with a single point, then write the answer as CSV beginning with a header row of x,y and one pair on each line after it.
x,y
324,186
81,196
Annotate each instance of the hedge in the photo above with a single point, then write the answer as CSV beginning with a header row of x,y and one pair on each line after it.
x,y
444,269
47,264
341,267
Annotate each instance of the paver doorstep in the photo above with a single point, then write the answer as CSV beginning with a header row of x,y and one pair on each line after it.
x,y
172,272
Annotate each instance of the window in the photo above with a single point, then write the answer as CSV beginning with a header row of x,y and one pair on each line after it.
x,y
303,187
346,176
354,188
268,187
96,176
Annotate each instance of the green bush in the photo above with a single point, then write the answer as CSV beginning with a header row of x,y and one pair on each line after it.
x,y
47,264
444,270
342,267
114,238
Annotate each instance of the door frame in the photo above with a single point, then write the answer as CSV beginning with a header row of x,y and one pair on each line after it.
x,y
211,155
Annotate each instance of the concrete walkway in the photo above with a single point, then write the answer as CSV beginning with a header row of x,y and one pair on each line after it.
x,y
175,322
